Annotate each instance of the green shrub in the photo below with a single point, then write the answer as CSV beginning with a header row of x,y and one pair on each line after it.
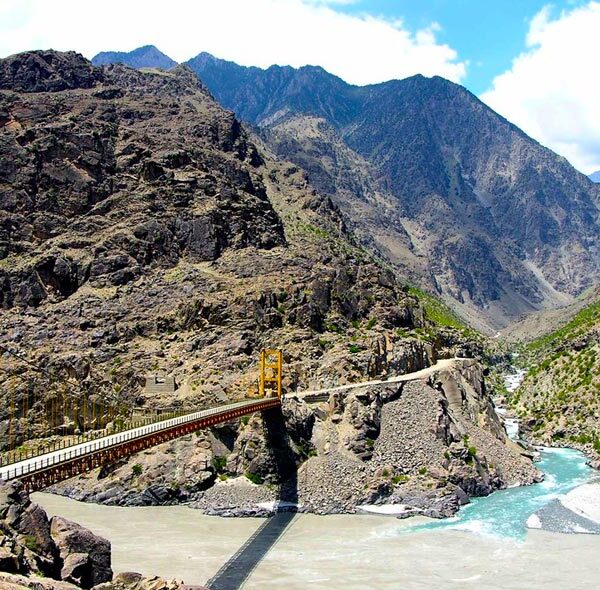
x,y
137,470
254,478
31,543
219,464
423,471
371,323
402,478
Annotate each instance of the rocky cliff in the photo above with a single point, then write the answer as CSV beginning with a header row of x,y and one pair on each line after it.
x,y
34,545
144,232
435,180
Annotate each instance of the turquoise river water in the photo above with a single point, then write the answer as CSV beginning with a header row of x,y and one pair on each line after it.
x,y
505,513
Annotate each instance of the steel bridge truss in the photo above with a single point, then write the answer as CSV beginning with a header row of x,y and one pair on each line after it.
x,y
46,470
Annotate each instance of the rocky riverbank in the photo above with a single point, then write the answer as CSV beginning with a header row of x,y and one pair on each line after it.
x,y
576,512
44,553
428,444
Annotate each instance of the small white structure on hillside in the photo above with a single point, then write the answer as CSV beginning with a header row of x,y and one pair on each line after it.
x,y
158,384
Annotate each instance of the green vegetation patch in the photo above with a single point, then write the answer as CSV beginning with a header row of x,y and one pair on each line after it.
x,y
437,312
579,324
254,478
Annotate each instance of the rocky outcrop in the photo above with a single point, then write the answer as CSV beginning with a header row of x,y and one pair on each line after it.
x,y
32,582
124,581
33,545
426,444
47,71
39,553
135,581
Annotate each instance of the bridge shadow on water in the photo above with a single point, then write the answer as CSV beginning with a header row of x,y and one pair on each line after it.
x,y
238,568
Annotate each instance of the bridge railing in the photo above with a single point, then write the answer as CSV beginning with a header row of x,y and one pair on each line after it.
x,y
12,457
29,466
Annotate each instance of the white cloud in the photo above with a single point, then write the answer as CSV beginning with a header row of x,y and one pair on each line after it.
x,y
359,48
552,90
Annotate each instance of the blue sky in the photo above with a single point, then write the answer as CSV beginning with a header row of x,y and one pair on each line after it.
x,y
533,61
488,34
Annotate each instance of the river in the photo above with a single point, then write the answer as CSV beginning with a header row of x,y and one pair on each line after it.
x,y
486,546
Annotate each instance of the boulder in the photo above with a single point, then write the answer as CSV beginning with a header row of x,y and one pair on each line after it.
x,y
135,581
86,557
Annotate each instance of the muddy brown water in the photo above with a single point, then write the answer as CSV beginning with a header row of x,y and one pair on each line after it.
x,y
351,551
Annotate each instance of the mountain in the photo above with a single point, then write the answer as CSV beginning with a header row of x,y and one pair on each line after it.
x,y
436,182
558,400
142,57
595,177
143,232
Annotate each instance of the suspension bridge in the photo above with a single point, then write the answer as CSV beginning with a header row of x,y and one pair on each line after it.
x,y
51,462
72,456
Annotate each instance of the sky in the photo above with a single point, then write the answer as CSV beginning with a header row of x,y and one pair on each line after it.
x,y
533,61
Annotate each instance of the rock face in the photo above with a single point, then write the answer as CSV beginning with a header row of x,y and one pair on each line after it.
x,y
425,444
86,152
490,216
32,545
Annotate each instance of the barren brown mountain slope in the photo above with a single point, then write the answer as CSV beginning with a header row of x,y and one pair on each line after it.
x,y
144,233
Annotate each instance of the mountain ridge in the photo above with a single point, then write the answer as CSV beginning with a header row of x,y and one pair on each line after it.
x,y
460,174
435,202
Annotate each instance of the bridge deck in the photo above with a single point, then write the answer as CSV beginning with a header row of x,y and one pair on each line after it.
x,y
135,439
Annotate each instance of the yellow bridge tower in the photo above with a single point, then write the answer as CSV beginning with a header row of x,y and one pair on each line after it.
x,y
269,381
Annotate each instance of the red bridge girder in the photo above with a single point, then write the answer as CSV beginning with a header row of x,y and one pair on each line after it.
x,y
47,476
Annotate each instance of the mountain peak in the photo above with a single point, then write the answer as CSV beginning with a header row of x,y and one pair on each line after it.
x,y
595,177
147,56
